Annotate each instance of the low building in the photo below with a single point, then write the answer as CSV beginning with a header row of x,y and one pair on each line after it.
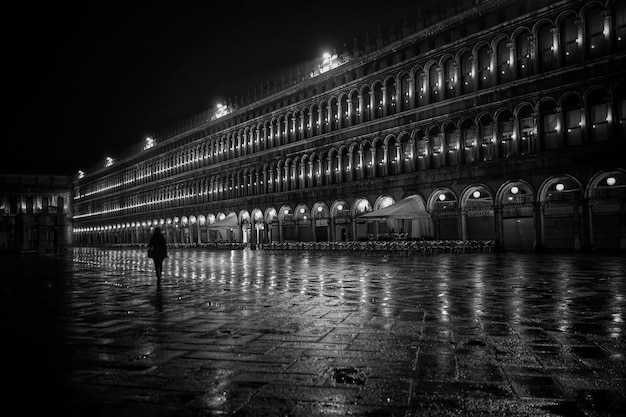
x,y
35,213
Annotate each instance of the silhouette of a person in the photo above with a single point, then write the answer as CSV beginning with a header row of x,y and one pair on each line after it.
x,y
159,251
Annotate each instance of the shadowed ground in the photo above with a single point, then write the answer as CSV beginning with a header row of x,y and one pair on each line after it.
x,y
255,334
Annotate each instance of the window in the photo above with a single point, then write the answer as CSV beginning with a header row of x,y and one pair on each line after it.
x,y
449,78
505,129
546,48
404,89
503,62
595,33
550,140
433,81
599,122
572,127
527,131
569,41
619,25
467,82
484,68
522,49
452,143
469,140
487,146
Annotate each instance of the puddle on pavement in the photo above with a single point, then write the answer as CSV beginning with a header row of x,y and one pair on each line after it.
x,y
351,376
477,343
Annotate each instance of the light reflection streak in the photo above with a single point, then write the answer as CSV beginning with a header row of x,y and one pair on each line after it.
x,y
446,286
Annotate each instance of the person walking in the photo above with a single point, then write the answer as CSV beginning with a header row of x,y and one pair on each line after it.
x,y
159,251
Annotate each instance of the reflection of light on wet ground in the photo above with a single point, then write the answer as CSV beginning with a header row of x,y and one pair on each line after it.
x,y
617,306
229,327
478,285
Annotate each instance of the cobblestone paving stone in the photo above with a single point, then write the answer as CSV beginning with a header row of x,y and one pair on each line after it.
x,y
248,333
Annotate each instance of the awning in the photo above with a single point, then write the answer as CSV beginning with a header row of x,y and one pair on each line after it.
x,y
411,207
229,221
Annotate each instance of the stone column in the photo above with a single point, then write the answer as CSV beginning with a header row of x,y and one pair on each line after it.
x,y
608,30
413,162
299,130
302,179
475,73
361,166
586,225
310,130
560,123
361,109
385,112
539,226
320,122
320,173
499,226
556,46
384,168
399,98
350,110
340,120
464,224
339,170
310,175
278,181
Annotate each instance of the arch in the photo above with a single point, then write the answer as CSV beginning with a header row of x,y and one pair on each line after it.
x,y
476,193
360,206
515,191
257,215
551,189
603,184
441,196
403,80
271,214
243,216
301,212
548,125
384,201
320,210
286,212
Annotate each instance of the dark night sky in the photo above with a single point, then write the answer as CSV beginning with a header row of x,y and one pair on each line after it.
x,y
85,82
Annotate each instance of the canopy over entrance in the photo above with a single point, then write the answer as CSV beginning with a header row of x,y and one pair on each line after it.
x,y
228,221
408,214
222,230
410,208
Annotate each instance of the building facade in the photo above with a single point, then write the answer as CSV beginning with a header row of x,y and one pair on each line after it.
x,y
503,119
35,213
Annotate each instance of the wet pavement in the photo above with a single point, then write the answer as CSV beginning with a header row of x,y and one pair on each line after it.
x,y
248,333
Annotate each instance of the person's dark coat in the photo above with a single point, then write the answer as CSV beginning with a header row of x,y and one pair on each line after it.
x,y
157,242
